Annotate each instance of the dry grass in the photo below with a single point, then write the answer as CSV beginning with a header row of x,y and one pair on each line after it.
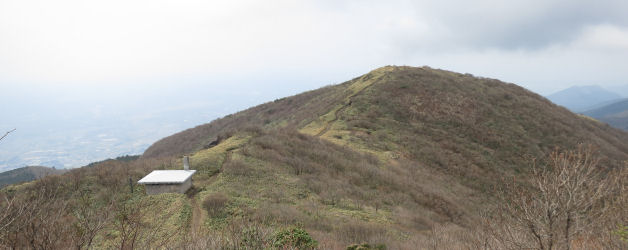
x,y
410,158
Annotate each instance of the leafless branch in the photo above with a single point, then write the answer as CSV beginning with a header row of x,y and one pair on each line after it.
x,y
564,203
7,133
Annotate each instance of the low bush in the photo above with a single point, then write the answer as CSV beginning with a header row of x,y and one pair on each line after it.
x,y
366,246
623,233
360,232
294,238
237,167
215,204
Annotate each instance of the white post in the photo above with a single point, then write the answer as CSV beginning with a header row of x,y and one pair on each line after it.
x,y
186,163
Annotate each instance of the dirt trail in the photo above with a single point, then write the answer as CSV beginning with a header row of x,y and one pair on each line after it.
x,y
197,214
341,109
227,159
329,123
196,217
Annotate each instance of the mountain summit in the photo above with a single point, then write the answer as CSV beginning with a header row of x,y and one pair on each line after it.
x,y
409,107
583,98
424,141
399,156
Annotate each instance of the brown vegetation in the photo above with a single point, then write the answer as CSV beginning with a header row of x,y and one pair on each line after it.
x,y
569,202
26,174
215,203
71,210
402,157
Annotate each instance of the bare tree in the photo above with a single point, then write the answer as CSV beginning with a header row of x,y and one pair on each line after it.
x,y
137,229
10,219
562,205
35,220
128,222
48,229
90,219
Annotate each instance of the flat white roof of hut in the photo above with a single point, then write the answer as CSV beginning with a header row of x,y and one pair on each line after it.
x,y
167,177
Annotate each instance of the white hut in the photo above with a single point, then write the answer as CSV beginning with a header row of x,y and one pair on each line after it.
x,y
169,181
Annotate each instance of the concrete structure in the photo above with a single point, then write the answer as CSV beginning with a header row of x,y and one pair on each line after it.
x,y
169,181
186,163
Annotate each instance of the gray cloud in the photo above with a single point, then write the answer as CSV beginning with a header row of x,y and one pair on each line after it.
x,y
121,42
518,24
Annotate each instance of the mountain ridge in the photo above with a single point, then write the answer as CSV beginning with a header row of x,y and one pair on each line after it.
x,y
280,113
583,98
26,174
400,156
615,114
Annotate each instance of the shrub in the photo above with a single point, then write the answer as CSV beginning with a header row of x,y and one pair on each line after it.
x,y
215,204
237,167
252,237
358,231
623,233
294,237
365,246
570,194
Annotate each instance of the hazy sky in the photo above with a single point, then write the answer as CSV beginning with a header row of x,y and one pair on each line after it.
x,y
84,80
87,47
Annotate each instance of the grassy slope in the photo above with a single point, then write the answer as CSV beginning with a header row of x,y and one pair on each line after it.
x,y
422,146
380,158
457,124
421,101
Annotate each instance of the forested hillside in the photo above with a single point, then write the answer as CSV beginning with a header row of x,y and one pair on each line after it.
x,y
26,174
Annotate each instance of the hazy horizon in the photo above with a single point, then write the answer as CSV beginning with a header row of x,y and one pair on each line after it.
x,y
118,75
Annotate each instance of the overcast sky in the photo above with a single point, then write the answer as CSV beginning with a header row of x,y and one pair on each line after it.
x,y
73,71
117,45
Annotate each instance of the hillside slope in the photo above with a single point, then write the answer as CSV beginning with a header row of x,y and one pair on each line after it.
x,y
400,156
409,111
426,146
615,114
26,174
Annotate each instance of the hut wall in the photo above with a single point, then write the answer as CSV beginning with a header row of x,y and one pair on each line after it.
x,y
168,188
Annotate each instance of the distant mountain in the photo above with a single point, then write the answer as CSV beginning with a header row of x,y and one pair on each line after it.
x,y
615,114
622,90
582,98
26,174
